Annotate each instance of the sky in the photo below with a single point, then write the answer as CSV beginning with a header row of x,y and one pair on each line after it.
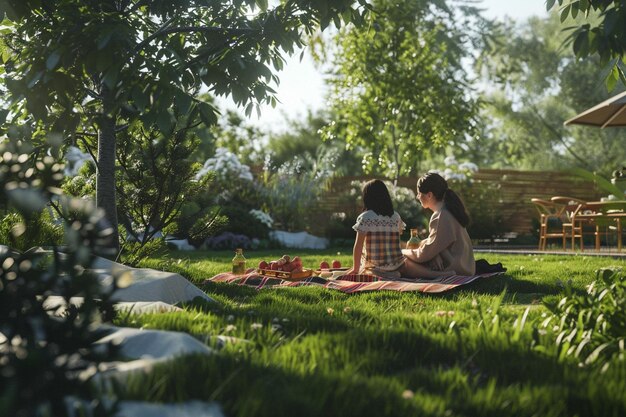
x,y
302,85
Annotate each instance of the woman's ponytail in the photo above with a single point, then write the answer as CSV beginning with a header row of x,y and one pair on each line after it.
x,y
455,206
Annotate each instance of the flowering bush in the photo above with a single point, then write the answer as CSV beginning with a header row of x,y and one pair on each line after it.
x,y
226,165
458,172
403,199
263,217
236,192
290,191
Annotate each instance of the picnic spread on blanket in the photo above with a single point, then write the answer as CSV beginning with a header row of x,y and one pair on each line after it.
x,y
350,283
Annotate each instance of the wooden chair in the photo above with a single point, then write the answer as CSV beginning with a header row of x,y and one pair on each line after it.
x,y
572,225
549,210
620,220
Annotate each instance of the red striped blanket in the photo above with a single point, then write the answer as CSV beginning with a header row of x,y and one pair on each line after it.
x,y
352,283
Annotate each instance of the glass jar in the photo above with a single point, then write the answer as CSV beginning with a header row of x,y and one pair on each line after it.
x,y
239,263
414,241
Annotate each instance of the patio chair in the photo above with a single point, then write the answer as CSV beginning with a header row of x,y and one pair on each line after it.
x,y
572,225
549,210
620,220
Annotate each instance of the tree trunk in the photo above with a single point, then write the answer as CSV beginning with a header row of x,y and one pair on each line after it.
x,y
105,176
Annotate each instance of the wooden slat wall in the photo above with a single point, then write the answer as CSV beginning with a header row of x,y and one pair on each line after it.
x,y
513,191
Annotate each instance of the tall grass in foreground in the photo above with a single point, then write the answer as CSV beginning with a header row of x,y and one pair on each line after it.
x,y
316,352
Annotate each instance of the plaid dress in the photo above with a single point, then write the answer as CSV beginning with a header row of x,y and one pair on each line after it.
x,y
381,250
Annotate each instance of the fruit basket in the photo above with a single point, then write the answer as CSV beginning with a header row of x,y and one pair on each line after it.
x,y
288,276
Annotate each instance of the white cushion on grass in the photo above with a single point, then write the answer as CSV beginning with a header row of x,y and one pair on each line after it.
x,y
145,284
187,409
141,343
148,284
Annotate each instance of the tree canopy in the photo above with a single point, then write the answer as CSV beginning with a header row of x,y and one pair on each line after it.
x,y
398,84
535,85
601,33
88,69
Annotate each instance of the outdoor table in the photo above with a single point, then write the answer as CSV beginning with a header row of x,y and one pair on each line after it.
x,y
608,211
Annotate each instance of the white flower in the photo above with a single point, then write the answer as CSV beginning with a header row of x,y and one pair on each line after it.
x,y
262,217
450,160
226,165
468,166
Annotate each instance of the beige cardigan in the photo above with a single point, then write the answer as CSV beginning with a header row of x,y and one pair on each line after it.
x,y
450,240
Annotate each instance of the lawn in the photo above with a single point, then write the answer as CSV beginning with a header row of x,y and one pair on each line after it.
x,y
317,352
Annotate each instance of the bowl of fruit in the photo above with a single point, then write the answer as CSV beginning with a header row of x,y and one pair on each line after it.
x,y
286,267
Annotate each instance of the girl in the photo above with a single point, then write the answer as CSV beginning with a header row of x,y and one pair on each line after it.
x,y
377,245
448,248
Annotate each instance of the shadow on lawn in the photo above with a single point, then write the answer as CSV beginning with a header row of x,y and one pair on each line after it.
x,y
372,382
517,290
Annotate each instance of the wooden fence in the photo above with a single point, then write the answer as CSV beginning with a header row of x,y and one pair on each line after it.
x,y
495,194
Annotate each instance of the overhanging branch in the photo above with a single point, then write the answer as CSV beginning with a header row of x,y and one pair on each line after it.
x,y
192,29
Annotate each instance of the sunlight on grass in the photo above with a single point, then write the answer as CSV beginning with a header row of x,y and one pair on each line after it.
x,y
311,351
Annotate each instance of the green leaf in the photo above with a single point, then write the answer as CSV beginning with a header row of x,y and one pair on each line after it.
x,y
581,45
564,13
208,114
140,98
183,101
3,115
611,78
603,183
53,60
549,4
611,20
165,122
103,40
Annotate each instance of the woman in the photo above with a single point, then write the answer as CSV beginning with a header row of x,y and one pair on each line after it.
x,y
448,248
377,245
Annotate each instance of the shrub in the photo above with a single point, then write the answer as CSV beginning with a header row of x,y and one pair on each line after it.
x,y
41,230
241,222
158,183
589,327
290,190
228,240
340,227
42,355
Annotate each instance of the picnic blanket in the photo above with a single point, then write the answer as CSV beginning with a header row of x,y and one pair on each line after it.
x,y
352,283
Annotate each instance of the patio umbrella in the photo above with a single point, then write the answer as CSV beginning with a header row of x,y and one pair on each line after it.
x,y
609,113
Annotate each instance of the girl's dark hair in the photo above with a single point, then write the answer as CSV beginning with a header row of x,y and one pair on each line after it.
x,y
376,198
435,183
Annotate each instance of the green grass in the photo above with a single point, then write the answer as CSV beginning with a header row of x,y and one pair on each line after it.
x,y
317,352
